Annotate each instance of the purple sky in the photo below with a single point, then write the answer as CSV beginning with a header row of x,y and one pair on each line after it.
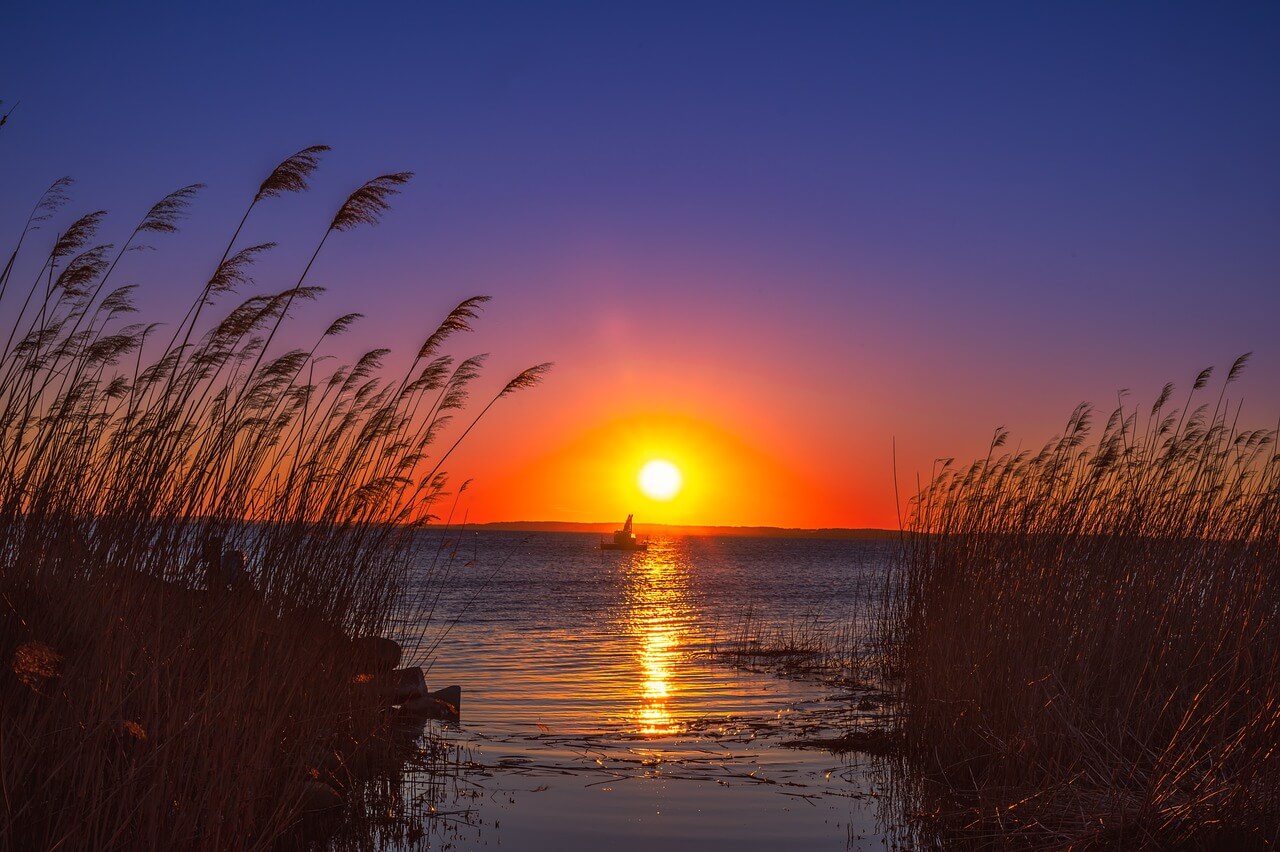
x,y
811,227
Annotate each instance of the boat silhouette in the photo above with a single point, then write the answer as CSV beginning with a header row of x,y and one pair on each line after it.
x,y
624,539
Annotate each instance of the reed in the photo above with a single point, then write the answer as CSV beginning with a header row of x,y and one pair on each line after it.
x,y
146,704
810,648
1085,641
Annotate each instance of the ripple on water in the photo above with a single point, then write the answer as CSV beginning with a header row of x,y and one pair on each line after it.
x,y
589,699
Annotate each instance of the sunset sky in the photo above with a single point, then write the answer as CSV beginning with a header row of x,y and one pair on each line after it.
x,y
765,242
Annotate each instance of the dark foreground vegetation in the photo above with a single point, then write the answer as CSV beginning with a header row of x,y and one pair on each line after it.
x,y
152,697
1086,640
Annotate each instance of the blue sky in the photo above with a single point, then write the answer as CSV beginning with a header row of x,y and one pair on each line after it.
x,y
910,220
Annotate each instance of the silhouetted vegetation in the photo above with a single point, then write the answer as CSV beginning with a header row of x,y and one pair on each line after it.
x,y
1086,640
812,648
148,701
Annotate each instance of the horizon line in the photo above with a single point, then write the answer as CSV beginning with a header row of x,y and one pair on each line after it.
x,y
694,529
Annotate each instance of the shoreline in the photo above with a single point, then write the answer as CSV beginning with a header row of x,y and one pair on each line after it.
x,y
606,527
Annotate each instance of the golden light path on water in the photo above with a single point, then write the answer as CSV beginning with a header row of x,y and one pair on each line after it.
x,y
658,615
595,717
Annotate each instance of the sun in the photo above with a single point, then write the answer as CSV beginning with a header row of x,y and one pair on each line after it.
x,y
660,480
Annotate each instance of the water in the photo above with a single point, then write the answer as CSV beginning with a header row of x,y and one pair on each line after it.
x,y
595,712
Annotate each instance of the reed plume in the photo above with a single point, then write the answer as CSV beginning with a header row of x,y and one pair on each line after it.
x,y
366,205
144,706
1086,639
292,173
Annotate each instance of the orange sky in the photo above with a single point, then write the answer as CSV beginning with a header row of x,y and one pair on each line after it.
x,y
571,450
591,475
758,441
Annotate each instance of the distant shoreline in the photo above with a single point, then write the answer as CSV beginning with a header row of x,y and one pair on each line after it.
x,y
683,529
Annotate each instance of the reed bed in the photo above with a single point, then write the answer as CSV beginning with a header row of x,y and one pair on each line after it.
x,y
1085,640
796,649
809,648
148,702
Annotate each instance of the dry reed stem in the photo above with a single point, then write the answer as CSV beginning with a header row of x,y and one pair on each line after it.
x,y
1086,640
141,709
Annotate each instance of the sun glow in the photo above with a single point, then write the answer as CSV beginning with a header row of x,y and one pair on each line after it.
x,y
660,480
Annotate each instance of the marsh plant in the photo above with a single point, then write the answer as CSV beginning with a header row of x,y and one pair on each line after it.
x,y
148,704
1086,639
812,647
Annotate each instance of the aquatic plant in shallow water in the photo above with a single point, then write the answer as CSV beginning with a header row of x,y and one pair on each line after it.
x,y
143,710
1086,640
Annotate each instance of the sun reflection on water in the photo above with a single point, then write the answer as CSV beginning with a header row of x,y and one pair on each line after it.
x,y
658,614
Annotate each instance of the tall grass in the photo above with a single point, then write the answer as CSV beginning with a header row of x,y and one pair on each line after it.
x,y
143,709
812,647
1086,640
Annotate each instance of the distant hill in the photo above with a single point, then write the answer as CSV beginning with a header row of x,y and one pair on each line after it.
x,y
678,529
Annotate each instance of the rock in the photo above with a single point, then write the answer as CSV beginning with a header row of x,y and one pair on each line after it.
x,y
404,685
426,707
376,654
321,814
318,798
444,704
451,695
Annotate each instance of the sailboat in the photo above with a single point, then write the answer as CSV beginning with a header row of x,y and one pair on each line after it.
x,y
624,539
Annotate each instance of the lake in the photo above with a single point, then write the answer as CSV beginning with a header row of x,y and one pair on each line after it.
x,y
596,714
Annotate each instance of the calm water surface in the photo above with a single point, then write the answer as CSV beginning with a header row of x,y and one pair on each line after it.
x,y
594,714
